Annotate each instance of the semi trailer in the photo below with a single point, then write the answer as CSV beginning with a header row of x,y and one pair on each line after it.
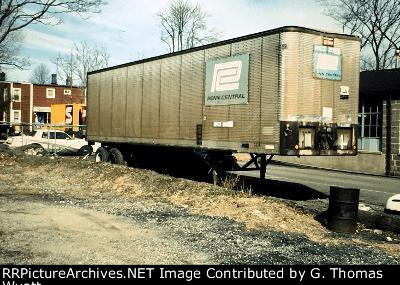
x,y
287,91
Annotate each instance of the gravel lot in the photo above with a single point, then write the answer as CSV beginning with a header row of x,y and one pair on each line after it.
x,y
66,210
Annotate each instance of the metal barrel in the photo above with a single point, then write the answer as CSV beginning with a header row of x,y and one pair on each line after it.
x,y
343,209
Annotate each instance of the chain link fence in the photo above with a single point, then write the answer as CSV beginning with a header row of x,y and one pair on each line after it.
x,y
53,138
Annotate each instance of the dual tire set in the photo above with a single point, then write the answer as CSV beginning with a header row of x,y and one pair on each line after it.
x,y
113,156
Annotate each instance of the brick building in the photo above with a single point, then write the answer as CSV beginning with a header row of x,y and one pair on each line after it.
x,y
27,103
379,122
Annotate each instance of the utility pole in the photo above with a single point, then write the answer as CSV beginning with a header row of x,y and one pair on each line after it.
x,y
397,55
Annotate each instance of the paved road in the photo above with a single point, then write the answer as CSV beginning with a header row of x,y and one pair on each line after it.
x,y
373,189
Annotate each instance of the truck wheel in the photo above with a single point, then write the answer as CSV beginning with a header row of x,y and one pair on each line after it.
x,y
115,156
101,155
85,150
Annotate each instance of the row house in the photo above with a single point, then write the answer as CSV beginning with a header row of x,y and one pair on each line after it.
x,y
29,103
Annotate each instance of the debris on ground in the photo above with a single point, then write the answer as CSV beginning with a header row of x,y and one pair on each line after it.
x,y
207,223
363,207
387,222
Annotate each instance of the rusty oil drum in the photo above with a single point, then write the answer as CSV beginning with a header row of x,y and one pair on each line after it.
x,y
343,209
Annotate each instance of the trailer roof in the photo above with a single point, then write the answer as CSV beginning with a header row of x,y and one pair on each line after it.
x,y
242,38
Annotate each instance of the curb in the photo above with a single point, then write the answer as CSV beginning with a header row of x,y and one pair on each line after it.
x,y
304,166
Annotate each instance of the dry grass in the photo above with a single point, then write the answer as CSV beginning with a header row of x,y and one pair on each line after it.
x,y
83,179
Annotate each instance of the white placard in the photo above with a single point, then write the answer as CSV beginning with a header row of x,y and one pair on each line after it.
x,y
269,147
327,113
345,90
227,124
307,140
217,124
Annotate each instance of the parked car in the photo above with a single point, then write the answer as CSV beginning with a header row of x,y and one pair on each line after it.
x,y
52,141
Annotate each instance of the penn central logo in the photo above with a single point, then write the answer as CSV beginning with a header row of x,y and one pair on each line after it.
x,y
226,76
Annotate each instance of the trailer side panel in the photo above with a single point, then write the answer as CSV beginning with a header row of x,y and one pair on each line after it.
x,y
134,101
192,95
296,94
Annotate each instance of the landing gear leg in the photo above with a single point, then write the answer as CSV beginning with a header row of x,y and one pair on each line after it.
x,y
260,162
263,168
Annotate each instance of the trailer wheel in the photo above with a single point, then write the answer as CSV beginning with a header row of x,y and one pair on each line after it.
x,y
86,149
101,155
115,156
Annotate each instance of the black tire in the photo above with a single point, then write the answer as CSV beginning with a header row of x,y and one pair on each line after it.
x,y
85,150
116,157
101,155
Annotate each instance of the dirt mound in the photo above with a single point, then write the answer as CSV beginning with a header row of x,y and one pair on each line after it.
x,y
73,178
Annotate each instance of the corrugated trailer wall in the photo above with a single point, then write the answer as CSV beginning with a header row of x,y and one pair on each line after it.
x,y
269,128
162,100
105,100
256,123
214,137
93,105
134,87
170,97
348,111
303,96
151,99
246,118
192,94
118,119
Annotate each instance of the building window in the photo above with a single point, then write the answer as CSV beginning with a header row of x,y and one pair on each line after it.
x,y
370,126
43,118
17,116
50,93
5,95
17,94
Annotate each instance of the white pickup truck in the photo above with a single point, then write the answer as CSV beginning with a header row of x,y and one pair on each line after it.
x,y
52,141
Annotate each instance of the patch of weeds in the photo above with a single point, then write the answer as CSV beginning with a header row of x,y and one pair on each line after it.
x,y
232,186
230,183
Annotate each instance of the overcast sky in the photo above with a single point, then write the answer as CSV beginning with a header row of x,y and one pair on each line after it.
x,y
130,29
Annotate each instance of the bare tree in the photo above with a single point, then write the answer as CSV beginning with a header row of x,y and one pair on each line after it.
x,y
15,15
184,26
82,59
41,74
9,51
377,22
88,58
65,67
